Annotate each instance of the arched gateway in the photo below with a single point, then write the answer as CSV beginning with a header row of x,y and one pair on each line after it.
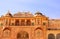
x,y
22,35
51,36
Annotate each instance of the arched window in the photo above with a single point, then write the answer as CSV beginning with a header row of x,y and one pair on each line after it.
x,y
22,35
17,22
6,33
28,22
51,36
58,36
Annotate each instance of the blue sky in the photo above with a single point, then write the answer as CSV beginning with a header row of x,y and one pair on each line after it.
x,y
50,8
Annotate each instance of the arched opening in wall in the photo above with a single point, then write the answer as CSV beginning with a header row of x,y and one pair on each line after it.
x,y
28,22
17,22
6,33
58,36
38,33
51,36
22,35
22,22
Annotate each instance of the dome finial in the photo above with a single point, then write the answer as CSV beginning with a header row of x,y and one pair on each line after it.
x,y
8,11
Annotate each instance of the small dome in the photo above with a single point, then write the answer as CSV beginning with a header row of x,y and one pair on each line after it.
x,y
38,13
23,14
8,14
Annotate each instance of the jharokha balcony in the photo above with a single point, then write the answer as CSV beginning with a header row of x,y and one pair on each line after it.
x,y
22,23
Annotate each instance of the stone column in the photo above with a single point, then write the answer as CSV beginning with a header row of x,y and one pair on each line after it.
x,y
25,22
31,22
8,22
14,22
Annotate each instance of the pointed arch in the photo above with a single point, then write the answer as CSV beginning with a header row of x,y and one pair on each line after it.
x,y
22,35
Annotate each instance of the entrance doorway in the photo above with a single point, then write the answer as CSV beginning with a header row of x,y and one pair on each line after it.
x,y
22,35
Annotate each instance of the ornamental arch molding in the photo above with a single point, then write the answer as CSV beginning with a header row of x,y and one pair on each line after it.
x,y
22,35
